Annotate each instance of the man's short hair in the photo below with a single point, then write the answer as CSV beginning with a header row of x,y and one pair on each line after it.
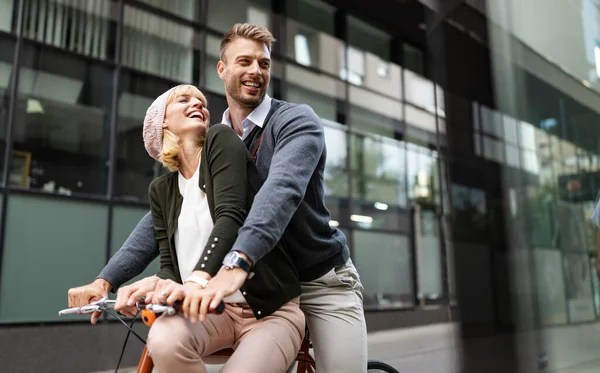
x,y
257,33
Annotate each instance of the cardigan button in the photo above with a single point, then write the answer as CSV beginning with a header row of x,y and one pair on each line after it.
x,y
204,186
202,265
213,245
244,293
258,313
216,239
206,259
208,252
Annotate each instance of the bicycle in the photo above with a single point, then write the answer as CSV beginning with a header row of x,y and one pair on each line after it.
x,y
149,312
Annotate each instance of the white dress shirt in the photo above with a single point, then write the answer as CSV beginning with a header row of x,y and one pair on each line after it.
x,y
256,118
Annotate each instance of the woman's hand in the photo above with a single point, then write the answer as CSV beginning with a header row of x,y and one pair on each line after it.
x,y
128,295
166,292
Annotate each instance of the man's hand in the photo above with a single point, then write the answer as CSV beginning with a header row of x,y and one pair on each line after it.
x,y
80,296
128,295
225,283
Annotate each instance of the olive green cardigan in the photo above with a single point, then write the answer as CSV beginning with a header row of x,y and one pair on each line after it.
x,y
230,180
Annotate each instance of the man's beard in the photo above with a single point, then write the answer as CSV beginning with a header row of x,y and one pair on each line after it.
x,y
234,89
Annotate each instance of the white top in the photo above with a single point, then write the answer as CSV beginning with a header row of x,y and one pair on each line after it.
x,y
256,118
194,226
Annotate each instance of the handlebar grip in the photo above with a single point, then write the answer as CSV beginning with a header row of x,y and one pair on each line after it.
x,y
68,311
149,313
220,308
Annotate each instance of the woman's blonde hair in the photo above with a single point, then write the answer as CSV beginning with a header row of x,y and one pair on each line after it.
x,y
169,156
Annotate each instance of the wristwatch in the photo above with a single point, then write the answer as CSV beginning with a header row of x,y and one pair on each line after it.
x,y
234,259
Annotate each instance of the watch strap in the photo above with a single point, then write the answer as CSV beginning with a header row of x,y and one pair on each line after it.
x,y
197,279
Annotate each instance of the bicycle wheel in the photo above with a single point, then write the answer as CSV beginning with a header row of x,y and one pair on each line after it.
x,y
374,366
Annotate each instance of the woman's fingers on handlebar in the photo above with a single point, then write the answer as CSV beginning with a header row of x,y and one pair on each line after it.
x,y
204,306
178,293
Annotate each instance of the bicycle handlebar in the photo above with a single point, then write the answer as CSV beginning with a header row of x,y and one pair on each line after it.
x,y
107,304
97,306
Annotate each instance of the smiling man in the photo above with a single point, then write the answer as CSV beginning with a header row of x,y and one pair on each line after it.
x,y
288,143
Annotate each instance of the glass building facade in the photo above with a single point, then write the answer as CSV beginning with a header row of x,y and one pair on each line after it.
x,y
79,76
462,137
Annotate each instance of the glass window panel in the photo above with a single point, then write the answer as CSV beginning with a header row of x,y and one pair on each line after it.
x,y
512,156
7,45
527,135
368,38
6,15
61,123
468,213
135,169
224,14
383,76
493,149
384,263
309,31
379,175
364,120
36,249
578,284
475,115
430,258
413,59
211,79
511,129
354,71
420,92
542,211
310,47
372,102
336,171
124,220
491,122
188,9
550,287
530,162
159,46
421,166
312,13
83,27
477,142
569,157
317,90
572,225
422,119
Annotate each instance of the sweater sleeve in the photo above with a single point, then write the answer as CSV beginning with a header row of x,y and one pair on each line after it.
x,y
167,268
138,251
226,159
299,144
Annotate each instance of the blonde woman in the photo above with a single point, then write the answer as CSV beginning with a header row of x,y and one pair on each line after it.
x,y
197,210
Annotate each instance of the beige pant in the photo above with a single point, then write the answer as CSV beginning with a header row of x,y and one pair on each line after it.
x,y
269,345
333,306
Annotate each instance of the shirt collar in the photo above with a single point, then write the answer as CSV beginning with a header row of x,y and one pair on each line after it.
x,y
257,116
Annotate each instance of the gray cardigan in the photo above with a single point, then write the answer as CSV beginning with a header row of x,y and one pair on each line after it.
x,y
291,163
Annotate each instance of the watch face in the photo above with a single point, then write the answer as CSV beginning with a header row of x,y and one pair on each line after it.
x,y
230,259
